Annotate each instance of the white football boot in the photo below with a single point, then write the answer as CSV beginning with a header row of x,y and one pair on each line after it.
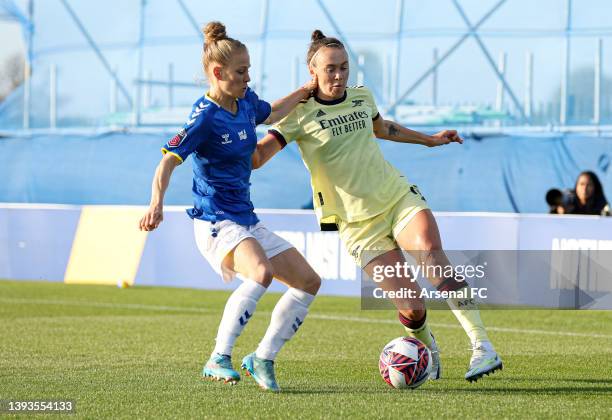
x,y
484,361
436,366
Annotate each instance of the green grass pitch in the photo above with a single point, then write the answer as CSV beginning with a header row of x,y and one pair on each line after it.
x,y
138,352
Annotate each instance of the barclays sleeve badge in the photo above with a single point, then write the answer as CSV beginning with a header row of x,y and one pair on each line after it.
x,y
178,139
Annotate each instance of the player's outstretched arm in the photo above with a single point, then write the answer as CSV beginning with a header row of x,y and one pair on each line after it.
x,y
282,107
390,130
266,148
155,214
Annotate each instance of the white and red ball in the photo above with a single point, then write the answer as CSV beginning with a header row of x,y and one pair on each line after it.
x,y
405,363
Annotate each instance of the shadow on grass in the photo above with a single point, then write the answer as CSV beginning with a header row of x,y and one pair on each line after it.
x,y
500,386
429,390
556,380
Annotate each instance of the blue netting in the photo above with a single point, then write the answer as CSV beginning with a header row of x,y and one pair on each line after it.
x,y
487,174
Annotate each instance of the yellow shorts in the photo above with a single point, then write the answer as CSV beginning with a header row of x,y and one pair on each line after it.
x,y
367,239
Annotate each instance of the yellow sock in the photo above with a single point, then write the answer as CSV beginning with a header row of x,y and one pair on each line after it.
x,y
423,334
469,318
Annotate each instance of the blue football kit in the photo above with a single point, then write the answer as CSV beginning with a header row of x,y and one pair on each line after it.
x,y
222,144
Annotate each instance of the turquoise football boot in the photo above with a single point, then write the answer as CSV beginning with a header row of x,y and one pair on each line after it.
x,y
219,367
262,370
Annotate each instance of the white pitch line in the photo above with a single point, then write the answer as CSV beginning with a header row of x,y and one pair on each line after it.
x,y
164,308
456,326
106,305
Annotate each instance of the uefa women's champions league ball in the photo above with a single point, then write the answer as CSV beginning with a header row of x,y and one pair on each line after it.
x,y
405,363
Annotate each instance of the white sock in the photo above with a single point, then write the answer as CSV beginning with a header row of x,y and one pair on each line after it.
x,y
287,316
239,308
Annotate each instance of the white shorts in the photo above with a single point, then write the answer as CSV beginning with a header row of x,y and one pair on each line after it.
x,y
229,235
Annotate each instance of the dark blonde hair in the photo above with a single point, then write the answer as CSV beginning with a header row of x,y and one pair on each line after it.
x,y
218,47
319,40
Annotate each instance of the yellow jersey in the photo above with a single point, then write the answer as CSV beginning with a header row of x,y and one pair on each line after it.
x,y
350,178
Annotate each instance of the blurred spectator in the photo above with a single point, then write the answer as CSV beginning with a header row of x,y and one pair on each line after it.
x,y
587,197
590,198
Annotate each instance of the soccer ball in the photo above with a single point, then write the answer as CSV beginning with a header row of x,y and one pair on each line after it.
x,y
405,363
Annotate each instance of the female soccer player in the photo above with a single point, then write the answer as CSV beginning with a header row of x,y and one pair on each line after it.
x,y
356,191
220,135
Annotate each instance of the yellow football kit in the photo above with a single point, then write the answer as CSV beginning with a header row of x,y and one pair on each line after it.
x,y
355,190
351,181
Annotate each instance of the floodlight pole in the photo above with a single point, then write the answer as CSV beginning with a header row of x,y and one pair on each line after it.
x,y
170,85
27,67
26,95
399,10
295,72
148,90
566,65
597,85
528,83
263,33
138,99
360,75
434,80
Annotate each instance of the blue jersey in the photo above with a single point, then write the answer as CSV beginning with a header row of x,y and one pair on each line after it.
x,y
222,144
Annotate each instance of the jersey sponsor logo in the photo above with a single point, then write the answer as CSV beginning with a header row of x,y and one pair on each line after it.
x,y
226,139
357,102
196,112
343,119
178,139
320,113
242,135
344,124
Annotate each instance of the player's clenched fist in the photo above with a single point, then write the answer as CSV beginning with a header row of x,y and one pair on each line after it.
x,y
152,218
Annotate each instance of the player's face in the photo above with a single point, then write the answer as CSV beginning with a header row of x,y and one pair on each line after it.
x,y
332,69
584,188
235,75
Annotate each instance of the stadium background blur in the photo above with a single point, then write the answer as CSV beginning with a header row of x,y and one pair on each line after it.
x,y
531,92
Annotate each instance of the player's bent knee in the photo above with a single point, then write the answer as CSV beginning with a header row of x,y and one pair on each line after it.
x,y
312,284
427,245
262,274
413,314
429,252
